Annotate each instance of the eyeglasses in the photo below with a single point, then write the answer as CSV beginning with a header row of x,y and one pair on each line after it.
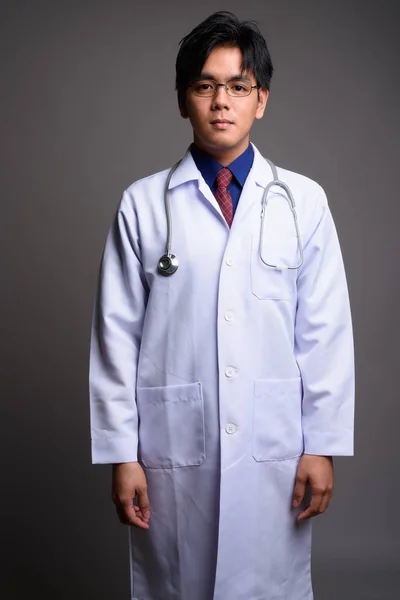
x,y
207,88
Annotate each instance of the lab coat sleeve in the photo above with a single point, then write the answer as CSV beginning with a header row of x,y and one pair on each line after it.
x,y
324,341
115,341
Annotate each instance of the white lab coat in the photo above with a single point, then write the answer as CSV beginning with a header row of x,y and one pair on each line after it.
x,y
218,378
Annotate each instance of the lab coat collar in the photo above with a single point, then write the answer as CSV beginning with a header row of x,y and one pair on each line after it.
x,y
260,175
260,171
186,171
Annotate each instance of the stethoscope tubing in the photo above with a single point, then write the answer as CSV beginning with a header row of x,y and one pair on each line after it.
x,y
168,263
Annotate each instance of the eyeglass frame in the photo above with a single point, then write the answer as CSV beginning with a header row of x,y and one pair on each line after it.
x,y
225,85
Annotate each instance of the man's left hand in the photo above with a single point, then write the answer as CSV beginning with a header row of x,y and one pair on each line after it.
x,y
317,473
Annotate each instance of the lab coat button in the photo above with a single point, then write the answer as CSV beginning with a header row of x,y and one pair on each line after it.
x,y
229,315
230,428
230,261
230,371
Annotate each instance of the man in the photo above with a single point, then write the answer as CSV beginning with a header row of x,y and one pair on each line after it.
x,y
221,390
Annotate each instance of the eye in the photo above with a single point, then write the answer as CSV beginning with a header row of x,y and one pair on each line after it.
x,y
239,87
204,87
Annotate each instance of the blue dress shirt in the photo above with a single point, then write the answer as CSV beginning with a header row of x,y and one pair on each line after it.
x,y
209,168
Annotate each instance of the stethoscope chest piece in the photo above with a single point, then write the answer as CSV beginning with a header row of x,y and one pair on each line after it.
x,y
167,265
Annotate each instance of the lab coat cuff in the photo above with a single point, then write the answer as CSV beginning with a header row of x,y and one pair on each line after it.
x,y
114,450
329,443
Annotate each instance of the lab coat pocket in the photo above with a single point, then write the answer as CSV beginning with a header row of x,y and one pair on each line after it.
x,y
277,428
171,426
271,283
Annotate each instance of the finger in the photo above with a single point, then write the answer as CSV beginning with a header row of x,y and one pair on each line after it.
x,y
314,508
138,512
144,504
128,515
314,512
325,502
299,491
306,514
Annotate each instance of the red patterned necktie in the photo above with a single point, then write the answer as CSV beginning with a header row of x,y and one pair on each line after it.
x,y
224,199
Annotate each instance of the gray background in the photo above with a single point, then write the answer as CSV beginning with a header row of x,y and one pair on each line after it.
x,y
87,105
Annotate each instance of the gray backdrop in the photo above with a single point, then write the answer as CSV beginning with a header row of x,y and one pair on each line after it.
x,y
87,106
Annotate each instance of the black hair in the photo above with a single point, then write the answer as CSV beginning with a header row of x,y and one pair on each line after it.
x,y
223,28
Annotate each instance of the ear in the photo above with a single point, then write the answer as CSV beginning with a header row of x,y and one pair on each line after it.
x,y
262,102
182,105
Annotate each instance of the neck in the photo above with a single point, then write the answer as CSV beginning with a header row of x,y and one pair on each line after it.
x,y
225,156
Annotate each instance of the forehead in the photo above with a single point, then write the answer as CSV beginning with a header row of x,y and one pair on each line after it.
x,y
224,62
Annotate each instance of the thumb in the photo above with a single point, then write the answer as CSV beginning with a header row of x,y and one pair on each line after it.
x,y
299,490
143,503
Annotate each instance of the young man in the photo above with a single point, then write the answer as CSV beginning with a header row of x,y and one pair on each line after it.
x,y
220,390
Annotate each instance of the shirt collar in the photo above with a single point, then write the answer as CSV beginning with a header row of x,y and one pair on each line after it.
x,y
209,167
188,171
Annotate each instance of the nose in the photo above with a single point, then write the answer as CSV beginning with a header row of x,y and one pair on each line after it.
x,y
221,98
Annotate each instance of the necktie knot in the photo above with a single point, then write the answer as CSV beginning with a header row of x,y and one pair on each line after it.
x,y
224,177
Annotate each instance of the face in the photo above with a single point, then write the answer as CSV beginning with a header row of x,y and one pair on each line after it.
x,y
221,124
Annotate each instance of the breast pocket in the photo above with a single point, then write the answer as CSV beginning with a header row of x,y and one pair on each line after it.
x,y
277,429
269,283
171,426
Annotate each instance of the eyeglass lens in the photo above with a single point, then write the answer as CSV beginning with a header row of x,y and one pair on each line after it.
x,y
208,87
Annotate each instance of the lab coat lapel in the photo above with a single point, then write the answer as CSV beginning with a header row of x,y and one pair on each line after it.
x,y
187,171
259,176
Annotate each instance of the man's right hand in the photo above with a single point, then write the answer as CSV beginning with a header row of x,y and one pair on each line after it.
x,y
128,482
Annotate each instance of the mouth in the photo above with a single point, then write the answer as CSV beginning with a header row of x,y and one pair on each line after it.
x,y
221,123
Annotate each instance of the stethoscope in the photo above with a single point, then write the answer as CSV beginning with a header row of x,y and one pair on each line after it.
x,y
168,263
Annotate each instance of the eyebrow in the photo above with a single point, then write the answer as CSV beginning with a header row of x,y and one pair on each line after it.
x,y
241,76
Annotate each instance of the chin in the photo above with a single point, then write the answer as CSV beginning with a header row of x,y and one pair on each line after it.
x,y
222,142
